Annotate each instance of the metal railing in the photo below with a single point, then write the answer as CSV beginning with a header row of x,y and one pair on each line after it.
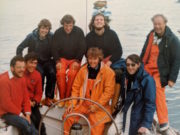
x,y
78,114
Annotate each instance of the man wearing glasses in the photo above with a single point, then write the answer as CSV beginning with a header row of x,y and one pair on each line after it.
x,y
136,106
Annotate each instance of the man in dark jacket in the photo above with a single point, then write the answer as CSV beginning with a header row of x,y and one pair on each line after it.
x,y
138,94
161,58
68,49
40,41
103,37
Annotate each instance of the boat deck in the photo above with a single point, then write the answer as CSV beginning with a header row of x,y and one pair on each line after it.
x,y
53,122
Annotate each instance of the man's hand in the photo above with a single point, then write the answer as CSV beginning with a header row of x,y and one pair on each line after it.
x,y
171,83
69,109
142,130
75,65
58,66
28,118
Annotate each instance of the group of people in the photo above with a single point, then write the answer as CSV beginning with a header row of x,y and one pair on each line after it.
x,y
130,89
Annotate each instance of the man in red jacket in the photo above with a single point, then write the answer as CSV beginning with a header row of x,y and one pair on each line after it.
x,y
34,86
14,100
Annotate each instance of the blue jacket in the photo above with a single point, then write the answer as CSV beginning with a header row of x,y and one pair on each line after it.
x,y
143,94
41,47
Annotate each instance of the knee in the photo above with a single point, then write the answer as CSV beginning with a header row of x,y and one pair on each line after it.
x,y
28,130
72,73
60,74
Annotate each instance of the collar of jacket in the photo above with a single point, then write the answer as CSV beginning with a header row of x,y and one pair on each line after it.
x,y
167,33
93,71
105,31
97,80
138,78
10,74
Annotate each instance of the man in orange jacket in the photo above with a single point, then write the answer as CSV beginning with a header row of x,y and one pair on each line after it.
x,y
94,81
161,58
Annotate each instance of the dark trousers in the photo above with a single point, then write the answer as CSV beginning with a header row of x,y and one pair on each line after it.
x,y
20,123
47,69
36,118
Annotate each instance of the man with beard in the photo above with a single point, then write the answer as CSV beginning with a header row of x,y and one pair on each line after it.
x,y
103,37
161,58
15,107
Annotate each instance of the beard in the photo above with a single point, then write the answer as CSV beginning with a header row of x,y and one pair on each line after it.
x,y
17,74
99,28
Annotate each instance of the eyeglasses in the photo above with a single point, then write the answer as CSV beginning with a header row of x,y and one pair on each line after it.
x,y
130,64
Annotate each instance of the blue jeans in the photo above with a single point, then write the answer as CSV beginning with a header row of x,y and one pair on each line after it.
x,y
22,124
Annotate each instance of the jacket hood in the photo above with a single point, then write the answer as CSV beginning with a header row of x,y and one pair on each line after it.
x,y
35,33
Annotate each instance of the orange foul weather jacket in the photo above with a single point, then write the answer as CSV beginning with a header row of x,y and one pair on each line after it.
x,y
102,91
